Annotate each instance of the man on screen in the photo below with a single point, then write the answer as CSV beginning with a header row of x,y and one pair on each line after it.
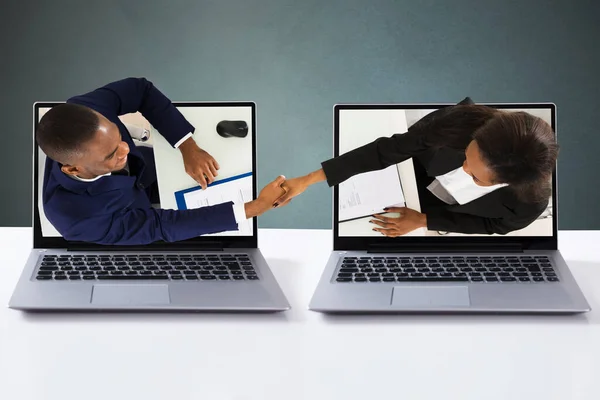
x,y
99,186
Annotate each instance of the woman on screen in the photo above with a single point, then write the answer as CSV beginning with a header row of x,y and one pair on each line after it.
x,y
479,170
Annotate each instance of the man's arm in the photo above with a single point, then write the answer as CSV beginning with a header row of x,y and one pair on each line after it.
x,y
131,95
138,94
141,226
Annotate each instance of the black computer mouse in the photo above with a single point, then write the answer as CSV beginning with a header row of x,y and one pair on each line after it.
x,y
228,129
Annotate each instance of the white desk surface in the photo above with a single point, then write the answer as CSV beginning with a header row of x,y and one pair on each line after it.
x,y
299,354
234,155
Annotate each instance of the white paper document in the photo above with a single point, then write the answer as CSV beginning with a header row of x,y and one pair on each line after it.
x,y
239,191
369,193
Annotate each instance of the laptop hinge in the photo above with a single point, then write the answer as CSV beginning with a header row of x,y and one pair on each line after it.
x,y
449,248
170,247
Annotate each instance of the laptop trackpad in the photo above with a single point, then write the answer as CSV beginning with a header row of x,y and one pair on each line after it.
x,y
422,296
130,295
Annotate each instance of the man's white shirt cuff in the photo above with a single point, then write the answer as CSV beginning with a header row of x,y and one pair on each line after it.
x,y
239,212
183,139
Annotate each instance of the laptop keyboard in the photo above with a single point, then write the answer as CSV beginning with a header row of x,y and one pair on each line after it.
x,y
225,267
447,269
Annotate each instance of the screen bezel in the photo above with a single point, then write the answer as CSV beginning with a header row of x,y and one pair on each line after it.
x,y
211,242
345,243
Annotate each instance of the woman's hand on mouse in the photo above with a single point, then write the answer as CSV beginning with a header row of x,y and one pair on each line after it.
x,y
199,164
408,221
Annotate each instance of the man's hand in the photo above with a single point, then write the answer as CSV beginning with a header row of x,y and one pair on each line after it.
x,y
408,221
200,165
267,196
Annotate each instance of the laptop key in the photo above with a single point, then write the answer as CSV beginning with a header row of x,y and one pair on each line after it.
x,y
507,279
552,279
208,277
42,272
53,263
44,277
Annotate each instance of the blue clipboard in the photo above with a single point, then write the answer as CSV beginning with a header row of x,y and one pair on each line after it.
x,y
179,194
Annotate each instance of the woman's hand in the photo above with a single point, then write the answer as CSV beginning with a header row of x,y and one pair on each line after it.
x,y
408,221
296,186
293,188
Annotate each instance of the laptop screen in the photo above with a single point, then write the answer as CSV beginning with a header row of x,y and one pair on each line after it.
x,y
437,183
174,188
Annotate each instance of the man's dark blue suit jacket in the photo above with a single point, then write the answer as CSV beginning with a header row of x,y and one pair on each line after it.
x,y
116,209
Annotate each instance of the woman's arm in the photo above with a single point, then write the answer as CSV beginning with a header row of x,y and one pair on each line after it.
x,y
376,155
448,221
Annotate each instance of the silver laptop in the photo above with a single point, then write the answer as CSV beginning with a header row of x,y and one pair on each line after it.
x,y
430,271
218,272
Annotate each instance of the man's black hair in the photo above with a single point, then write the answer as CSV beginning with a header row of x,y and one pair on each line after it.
x,y
64,129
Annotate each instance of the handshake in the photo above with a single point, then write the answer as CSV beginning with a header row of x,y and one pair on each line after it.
x,y
202,167
280,192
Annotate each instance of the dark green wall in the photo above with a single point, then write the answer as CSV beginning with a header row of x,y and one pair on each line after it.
x,y
296,59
